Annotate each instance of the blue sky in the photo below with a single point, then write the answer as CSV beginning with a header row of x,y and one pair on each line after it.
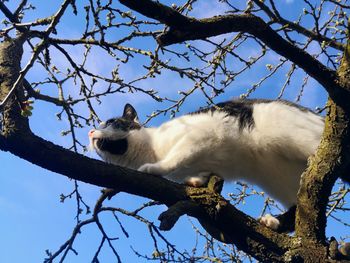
x,y
33,218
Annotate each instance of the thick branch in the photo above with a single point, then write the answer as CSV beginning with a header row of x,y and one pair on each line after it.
x,y
11,51
331,161
157,11
191,29
13,18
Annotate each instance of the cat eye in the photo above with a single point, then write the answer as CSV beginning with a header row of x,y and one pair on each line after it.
x,y
102,125
109,122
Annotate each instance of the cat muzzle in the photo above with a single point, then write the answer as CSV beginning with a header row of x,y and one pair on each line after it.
x,y
91,132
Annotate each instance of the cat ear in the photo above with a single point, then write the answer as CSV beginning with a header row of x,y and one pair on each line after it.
x,y
130,113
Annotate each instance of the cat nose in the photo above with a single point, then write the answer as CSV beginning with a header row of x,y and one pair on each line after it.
x,y
90,133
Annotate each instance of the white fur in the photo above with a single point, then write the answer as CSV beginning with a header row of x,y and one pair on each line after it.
x,y
273,154
270,221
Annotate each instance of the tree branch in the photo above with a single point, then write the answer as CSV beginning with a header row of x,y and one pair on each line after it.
x,y
13,18
190,29
157,11
331,161
39,48
298,28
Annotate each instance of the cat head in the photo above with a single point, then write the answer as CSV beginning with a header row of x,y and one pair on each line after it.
x,y
111,136
127,122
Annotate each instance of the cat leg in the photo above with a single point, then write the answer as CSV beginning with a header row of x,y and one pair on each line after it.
x,y
179,156
282,223
158,168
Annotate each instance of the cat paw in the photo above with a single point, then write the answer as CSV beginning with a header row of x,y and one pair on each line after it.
x,y
270,221
195,181
151,168
345,249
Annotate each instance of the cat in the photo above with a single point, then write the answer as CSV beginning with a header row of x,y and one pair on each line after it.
x,y
262,142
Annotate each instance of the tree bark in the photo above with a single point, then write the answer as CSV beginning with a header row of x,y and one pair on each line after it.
x,y
10,58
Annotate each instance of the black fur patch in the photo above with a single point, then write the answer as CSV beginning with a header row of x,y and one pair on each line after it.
x,y
243,110
238,108
116,147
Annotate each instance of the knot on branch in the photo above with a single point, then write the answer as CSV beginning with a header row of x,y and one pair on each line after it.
x,y
170,217
201,201
215,184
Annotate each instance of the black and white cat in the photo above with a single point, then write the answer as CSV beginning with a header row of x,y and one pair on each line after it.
x,y
262,142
